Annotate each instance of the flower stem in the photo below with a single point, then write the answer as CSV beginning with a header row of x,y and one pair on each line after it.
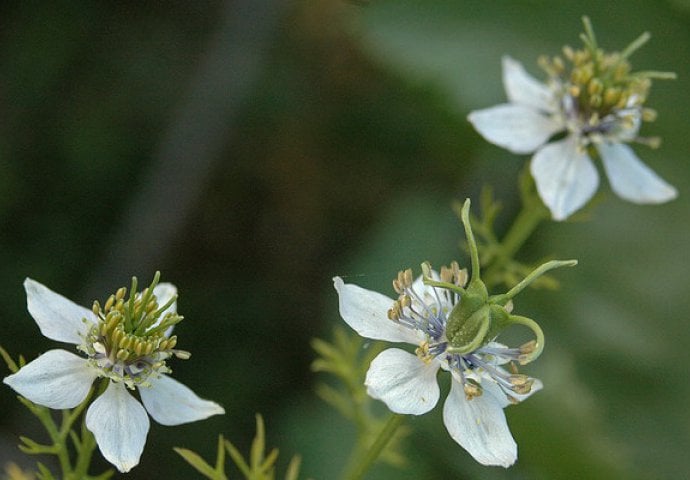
x,y
529,218
371,454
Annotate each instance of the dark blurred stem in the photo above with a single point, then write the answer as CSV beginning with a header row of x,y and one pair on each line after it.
x,y
367,456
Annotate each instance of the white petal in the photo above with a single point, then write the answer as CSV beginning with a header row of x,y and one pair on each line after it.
x,y
518,128
57,379
479,426
565,176
367,313
524,89
630,178
171,403
120,425
57,317
164,292
403,382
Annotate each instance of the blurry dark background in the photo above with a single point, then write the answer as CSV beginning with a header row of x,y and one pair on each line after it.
x,y
252,150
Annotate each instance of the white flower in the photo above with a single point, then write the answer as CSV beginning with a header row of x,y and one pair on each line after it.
x,y
116,351
406,383
596,113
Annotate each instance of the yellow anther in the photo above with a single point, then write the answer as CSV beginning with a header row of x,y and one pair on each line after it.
x,y
139,347
120,305
96,308
623,100
120,294
397,287
152,306
648,114
408,277
149,348
519,379
112,320
523,388
116,335
172,341
595,86
109,303
122,355
125,342
182,354
423,352
612,96
528,347
472,390
446,275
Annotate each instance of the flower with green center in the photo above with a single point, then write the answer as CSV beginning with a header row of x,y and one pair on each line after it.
x,y
594,98
127,343
454,324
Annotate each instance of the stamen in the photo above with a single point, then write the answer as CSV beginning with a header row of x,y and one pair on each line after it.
x,y
128,344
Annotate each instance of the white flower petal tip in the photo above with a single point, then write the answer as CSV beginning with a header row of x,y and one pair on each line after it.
x,y
57,317
164,292
405,383
479,426
515,127
524,89
565,177
631,179
57,379
120,425
170,402
366,312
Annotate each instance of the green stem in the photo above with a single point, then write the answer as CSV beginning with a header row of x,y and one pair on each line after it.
x,y
57,438
88,445
372,453
529,218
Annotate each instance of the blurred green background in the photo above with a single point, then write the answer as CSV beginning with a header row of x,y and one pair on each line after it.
x,y
252,150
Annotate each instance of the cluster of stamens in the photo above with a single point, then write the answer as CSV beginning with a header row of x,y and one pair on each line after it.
x,y
128,342
429,315
600,95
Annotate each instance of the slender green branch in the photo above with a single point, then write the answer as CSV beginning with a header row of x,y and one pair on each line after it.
x,y
372,453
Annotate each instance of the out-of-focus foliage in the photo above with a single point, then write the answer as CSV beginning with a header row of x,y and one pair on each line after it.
x,y
343,159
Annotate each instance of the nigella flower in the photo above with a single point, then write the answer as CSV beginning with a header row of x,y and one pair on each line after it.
x,y
126,344
597,106
454,325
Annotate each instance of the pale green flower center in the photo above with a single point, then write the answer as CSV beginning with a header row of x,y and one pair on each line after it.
x,y
129,343
601,97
